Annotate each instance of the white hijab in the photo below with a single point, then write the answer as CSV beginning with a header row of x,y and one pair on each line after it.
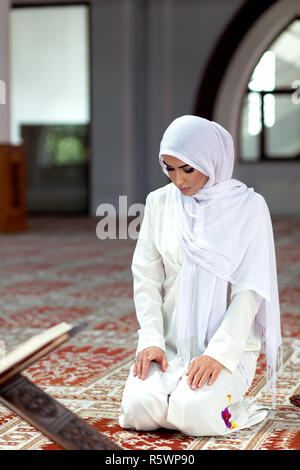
x,y
235,244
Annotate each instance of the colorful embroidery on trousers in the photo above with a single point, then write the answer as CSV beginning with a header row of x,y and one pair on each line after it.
x,y
226,415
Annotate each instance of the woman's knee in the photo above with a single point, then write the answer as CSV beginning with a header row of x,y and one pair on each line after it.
x,y
195,417
143,408
198,412
137,400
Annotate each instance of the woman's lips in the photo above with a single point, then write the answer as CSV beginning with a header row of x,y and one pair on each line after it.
x,y
184,189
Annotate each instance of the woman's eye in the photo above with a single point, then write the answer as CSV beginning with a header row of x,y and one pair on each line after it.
x,y
190,170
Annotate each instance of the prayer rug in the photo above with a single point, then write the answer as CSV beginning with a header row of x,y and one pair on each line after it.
x,y
60,271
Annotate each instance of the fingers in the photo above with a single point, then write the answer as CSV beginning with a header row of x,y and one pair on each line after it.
x,y
145,367
213,378
191,373
164,364
197,378
200,375
138,366
141,365
191,367
201,379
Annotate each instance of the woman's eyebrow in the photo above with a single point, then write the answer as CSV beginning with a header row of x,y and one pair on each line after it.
x,y
183,166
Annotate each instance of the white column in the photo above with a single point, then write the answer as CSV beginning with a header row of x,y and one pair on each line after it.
x,y
128,155
4,72
167,45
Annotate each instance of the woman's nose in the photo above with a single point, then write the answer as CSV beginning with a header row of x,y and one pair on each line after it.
x,y
179,180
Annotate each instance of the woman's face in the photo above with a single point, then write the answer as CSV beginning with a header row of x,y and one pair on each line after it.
x,y
186,178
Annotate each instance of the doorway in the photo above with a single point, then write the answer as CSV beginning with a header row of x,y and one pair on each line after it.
x,y
50,104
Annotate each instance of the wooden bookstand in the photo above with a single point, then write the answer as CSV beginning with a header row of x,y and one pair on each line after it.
x,y
12,188
44,412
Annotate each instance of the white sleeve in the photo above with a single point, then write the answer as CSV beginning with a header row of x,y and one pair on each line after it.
x,y
148,277
229,341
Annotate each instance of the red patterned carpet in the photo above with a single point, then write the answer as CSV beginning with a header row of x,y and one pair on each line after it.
x,y
59,271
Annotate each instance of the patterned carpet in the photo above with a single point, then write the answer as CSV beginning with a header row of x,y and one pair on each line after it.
x,y
60,271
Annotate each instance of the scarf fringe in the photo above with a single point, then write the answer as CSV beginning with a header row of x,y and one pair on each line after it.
x,y
272,372
187,349
274,362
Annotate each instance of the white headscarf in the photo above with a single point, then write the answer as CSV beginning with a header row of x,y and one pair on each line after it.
x,y
235,243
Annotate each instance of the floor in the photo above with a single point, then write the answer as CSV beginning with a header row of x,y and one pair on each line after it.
x,y
58,271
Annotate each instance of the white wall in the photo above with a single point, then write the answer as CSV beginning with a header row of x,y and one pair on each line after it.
x,y
182,35
49,66
148,58
4,72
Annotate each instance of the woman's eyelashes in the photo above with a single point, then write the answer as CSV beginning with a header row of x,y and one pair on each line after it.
x,y
190,170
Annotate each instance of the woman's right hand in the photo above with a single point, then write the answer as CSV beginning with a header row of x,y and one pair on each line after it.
x,y
143,359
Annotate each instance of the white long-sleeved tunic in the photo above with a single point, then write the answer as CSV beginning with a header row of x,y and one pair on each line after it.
x,y
165,399
156,268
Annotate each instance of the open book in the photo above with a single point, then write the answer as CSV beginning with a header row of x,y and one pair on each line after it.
x,y
31,350
37,407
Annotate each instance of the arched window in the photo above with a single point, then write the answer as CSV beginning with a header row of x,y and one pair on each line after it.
x,y
270,114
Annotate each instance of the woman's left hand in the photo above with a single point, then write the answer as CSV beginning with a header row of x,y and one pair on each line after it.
x,y
202,369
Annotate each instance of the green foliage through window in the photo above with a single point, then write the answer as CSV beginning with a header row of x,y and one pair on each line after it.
x,y
66,145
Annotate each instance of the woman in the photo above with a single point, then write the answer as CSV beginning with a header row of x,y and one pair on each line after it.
x,y
205,291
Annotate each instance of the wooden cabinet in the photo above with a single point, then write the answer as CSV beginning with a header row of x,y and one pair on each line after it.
x,y
12,188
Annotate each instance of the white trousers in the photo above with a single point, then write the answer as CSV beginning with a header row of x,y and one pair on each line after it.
x,y
165,400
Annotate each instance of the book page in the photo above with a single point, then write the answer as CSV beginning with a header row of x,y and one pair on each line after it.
x,y
32,345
